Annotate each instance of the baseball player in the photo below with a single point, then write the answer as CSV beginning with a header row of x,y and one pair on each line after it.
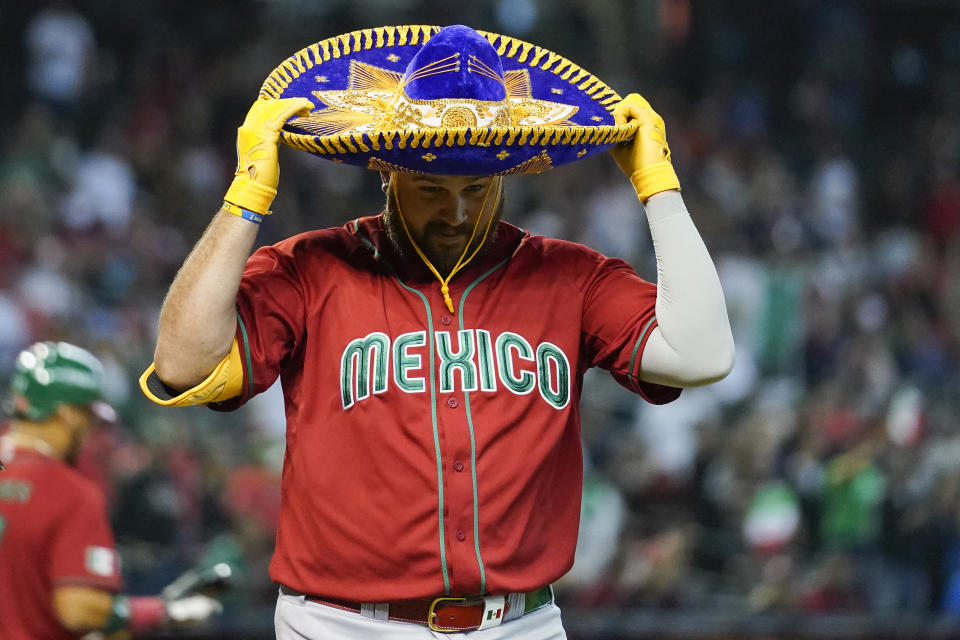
x,y
431,357
61,573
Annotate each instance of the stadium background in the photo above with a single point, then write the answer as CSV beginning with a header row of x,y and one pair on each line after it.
x,y
814,493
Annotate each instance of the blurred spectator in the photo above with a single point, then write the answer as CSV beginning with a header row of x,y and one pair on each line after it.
x,y
60,46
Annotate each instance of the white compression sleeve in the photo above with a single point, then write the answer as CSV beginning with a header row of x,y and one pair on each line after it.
x,y
693,344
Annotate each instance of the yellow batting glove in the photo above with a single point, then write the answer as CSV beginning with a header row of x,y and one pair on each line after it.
x,y
646,158
258,170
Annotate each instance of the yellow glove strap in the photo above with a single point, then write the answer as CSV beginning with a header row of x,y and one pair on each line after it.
x,y
654,178
224,383
250,195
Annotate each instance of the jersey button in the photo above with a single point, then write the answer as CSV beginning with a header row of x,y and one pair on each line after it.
x,y
445,320
458,466
461,536
452,403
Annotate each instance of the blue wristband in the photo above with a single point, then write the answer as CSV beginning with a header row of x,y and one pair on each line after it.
x,y
240,212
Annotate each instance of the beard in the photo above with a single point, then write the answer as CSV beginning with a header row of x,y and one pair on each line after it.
x,y
443,258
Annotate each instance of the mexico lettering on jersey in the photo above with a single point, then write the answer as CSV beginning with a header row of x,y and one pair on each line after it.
x,y
478,362
431,452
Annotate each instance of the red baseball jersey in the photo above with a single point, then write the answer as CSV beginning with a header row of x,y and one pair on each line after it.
x,y
53,532
431,452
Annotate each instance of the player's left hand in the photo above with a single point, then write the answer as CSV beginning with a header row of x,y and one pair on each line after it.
x,y
192,597
185,612
646,158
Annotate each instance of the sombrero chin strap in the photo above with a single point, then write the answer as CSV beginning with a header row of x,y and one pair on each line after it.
x,y
461,263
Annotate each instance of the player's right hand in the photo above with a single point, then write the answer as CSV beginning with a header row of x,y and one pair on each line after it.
x,y
258,170
646,158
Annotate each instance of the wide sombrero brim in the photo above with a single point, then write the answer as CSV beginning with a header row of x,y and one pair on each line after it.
x,y
382,54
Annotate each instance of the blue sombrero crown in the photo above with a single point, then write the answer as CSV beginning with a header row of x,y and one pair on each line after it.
x,y
451,101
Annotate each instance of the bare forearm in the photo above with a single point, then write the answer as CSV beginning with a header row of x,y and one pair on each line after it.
x,y
198,317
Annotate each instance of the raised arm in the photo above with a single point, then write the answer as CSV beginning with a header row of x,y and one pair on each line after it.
x,y
692,344
198,317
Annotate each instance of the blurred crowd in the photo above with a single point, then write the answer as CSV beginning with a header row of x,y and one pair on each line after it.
x,y
818,145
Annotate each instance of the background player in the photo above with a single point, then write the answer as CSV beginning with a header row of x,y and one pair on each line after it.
x,y
433,465
61,573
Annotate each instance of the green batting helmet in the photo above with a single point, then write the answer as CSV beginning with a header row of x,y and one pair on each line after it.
x,y
50,374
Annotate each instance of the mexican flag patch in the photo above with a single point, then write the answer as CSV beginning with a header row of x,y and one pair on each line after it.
x,y
100,561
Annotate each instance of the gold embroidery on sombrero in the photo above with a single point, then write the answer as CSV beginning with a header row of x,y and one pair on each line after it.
x,y
540,52
536,164
270,90
458,117
597,85
374,100
476,65
523,52
294,64
358,141
583,86
444,65
525,48
333,121
517,83
367,77
561,65
509,47
382,165
551,59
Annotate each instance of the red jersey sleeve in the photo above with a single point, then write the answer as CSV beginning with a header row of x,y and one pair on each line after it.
x,y
82,548
270,314
618,316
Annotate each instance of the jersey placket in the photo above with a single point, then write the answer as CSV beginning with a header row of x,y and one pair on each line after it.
x,y
476,339
456,374
453,352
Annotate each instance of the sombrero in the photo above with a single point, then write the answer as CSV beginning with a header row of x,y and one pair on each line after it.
x,y
444,101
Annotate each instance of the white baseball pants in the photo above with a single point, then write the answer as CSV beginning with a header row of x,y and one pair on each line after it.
x,y
300,619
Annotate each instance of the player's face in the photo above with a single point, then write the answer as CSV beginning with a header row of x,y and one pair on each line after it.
x,y
77,420
442,211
